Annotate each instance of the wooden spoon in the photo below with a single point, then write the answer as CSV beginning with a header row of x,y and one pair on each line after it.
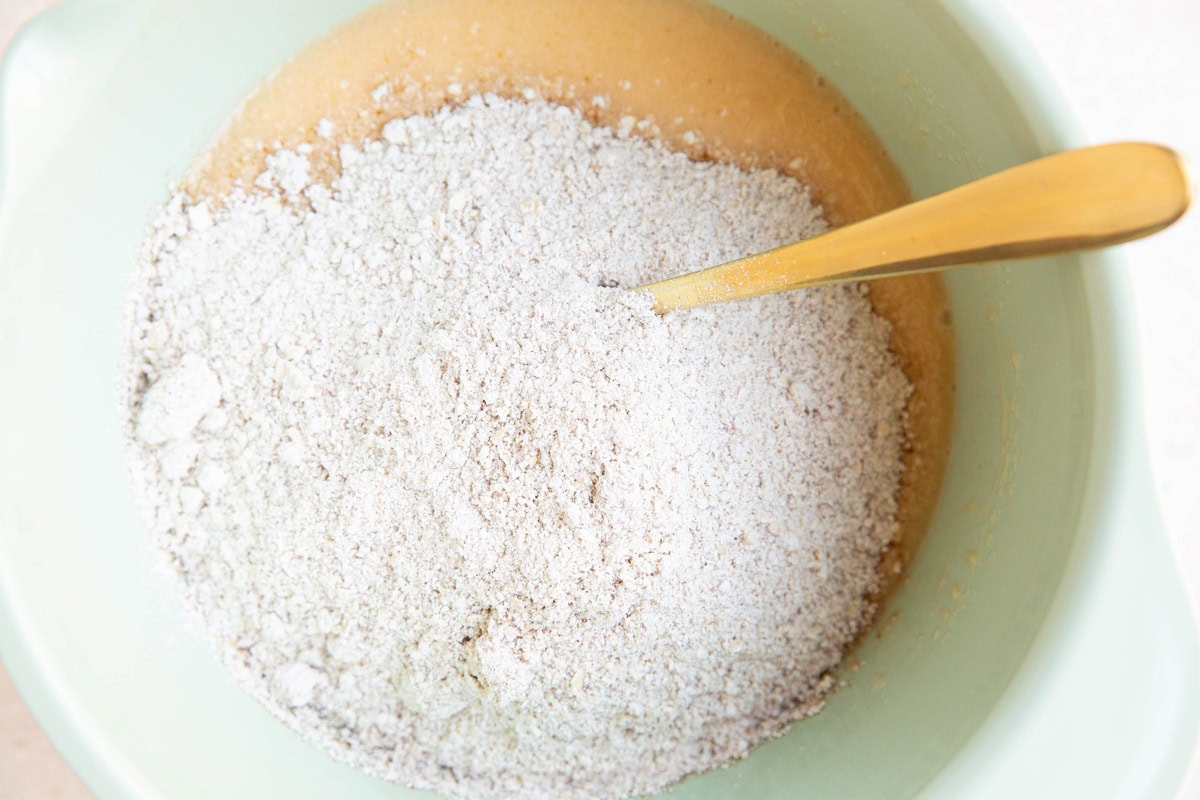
x,y
1076,200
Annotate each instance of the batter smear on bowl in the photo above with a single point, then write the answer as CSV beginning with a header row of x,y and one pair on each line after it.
x,y
451,501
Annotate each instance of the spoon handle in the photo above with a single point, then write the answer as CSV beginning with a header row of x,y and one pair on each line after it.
x,y
1076,200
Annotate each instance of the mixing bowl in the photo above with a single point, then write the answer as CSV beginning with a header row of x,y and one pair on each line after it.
x,y
1041,647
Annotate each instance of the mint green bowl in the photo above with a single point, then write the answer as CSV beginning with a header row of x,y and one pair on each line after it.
x,y
1042,648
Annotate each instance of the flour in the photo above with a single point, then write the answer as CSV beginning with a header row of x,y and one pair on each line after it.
x,y
468,516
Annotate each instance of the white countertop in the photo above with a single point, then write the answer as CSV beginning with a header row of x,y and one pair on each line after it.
x,y
1132,71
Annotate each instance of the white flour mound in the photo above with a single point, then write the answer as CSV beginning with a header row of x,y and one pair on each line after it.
x,y
470,518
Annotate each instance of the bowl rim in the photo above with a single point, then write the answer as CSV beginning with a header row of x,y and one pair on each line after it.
x,y
1117,486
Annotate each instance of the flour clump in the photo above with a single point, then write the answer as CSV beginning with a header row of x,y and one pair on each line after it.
x,y
470,516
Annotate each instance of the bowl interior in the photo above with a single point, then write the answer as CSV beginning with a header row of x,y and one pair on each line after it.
x,y
146,704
